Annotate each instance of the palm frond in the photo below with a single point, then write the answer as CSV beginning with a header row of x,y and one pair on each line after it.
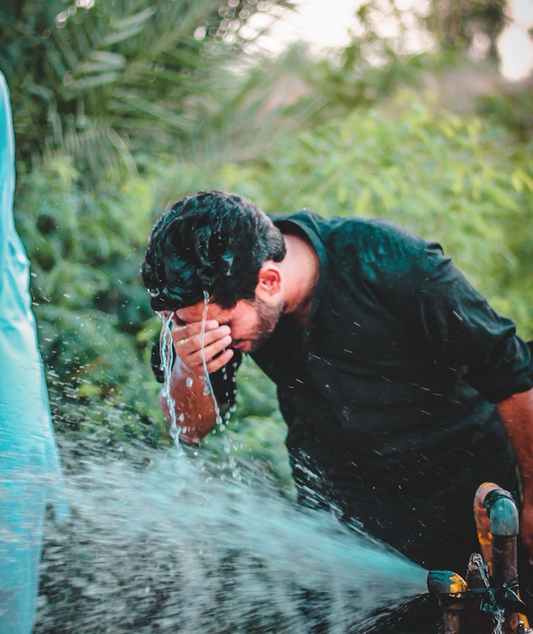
x,y
133,69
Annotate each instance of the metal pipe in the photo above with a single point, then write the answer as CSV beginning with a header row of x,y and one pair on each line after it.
x,y
504,527
483,521
444,583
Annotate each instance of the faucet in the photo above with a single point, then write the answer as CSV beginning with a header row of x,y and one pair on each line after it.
x,y
488,601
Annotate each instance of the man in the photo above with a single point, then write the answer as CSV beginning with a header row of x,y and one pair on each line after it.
x,y
30,474
387,363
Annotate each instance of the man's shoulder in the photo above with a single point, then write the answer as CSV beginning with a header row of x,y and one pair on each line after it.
x,y
375,240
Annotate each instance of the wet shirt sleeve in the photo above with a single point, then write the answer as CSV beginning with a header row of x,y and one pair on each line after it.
x,y
224,381
459,324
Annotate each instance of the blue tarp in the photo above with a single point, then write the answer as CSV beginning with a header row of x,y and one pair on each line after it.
x,y
30,473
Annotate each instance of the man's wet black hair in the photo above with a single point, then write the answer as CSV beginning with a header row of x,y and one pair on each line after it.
x,y
210,241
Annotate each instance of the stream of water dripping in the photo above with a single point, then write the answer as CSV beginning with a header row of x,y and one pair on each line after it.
x,y
166,351
166,345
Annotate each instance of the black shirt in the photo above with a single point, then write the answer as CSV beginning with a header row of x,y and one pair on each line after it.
x,y
387,392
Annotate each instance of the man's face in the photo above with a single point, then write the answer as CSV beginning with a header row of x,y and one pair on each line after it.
x,y
251,322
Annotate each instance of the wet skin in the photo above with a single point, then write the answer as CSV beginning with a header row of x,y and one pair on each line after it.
x,y
244,327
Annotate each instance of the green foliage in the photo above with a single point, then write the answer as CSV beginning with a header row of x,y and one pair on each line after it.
x,y
98,78
88,301
354,82
393,47
452,25
379,60
455,24
275,95
512,107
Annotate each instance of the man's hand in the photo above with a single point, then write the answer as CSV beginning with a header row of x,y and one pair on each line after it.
x,y
188,343
517,415
194,407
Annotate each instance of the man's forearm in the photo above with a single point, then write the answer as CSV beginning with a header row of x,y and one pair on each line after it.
x,y
517,416
195,410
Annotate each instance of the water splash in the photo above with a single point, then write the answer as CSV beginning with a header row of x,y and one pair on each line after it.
x,y
166,350
148,553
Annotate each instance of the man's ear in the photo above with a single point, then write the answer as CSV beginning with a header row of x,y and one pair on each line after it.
x,y
270,279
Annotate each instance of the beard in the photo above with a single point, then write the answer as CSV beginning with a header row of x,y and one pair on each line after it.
x,y
267,319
